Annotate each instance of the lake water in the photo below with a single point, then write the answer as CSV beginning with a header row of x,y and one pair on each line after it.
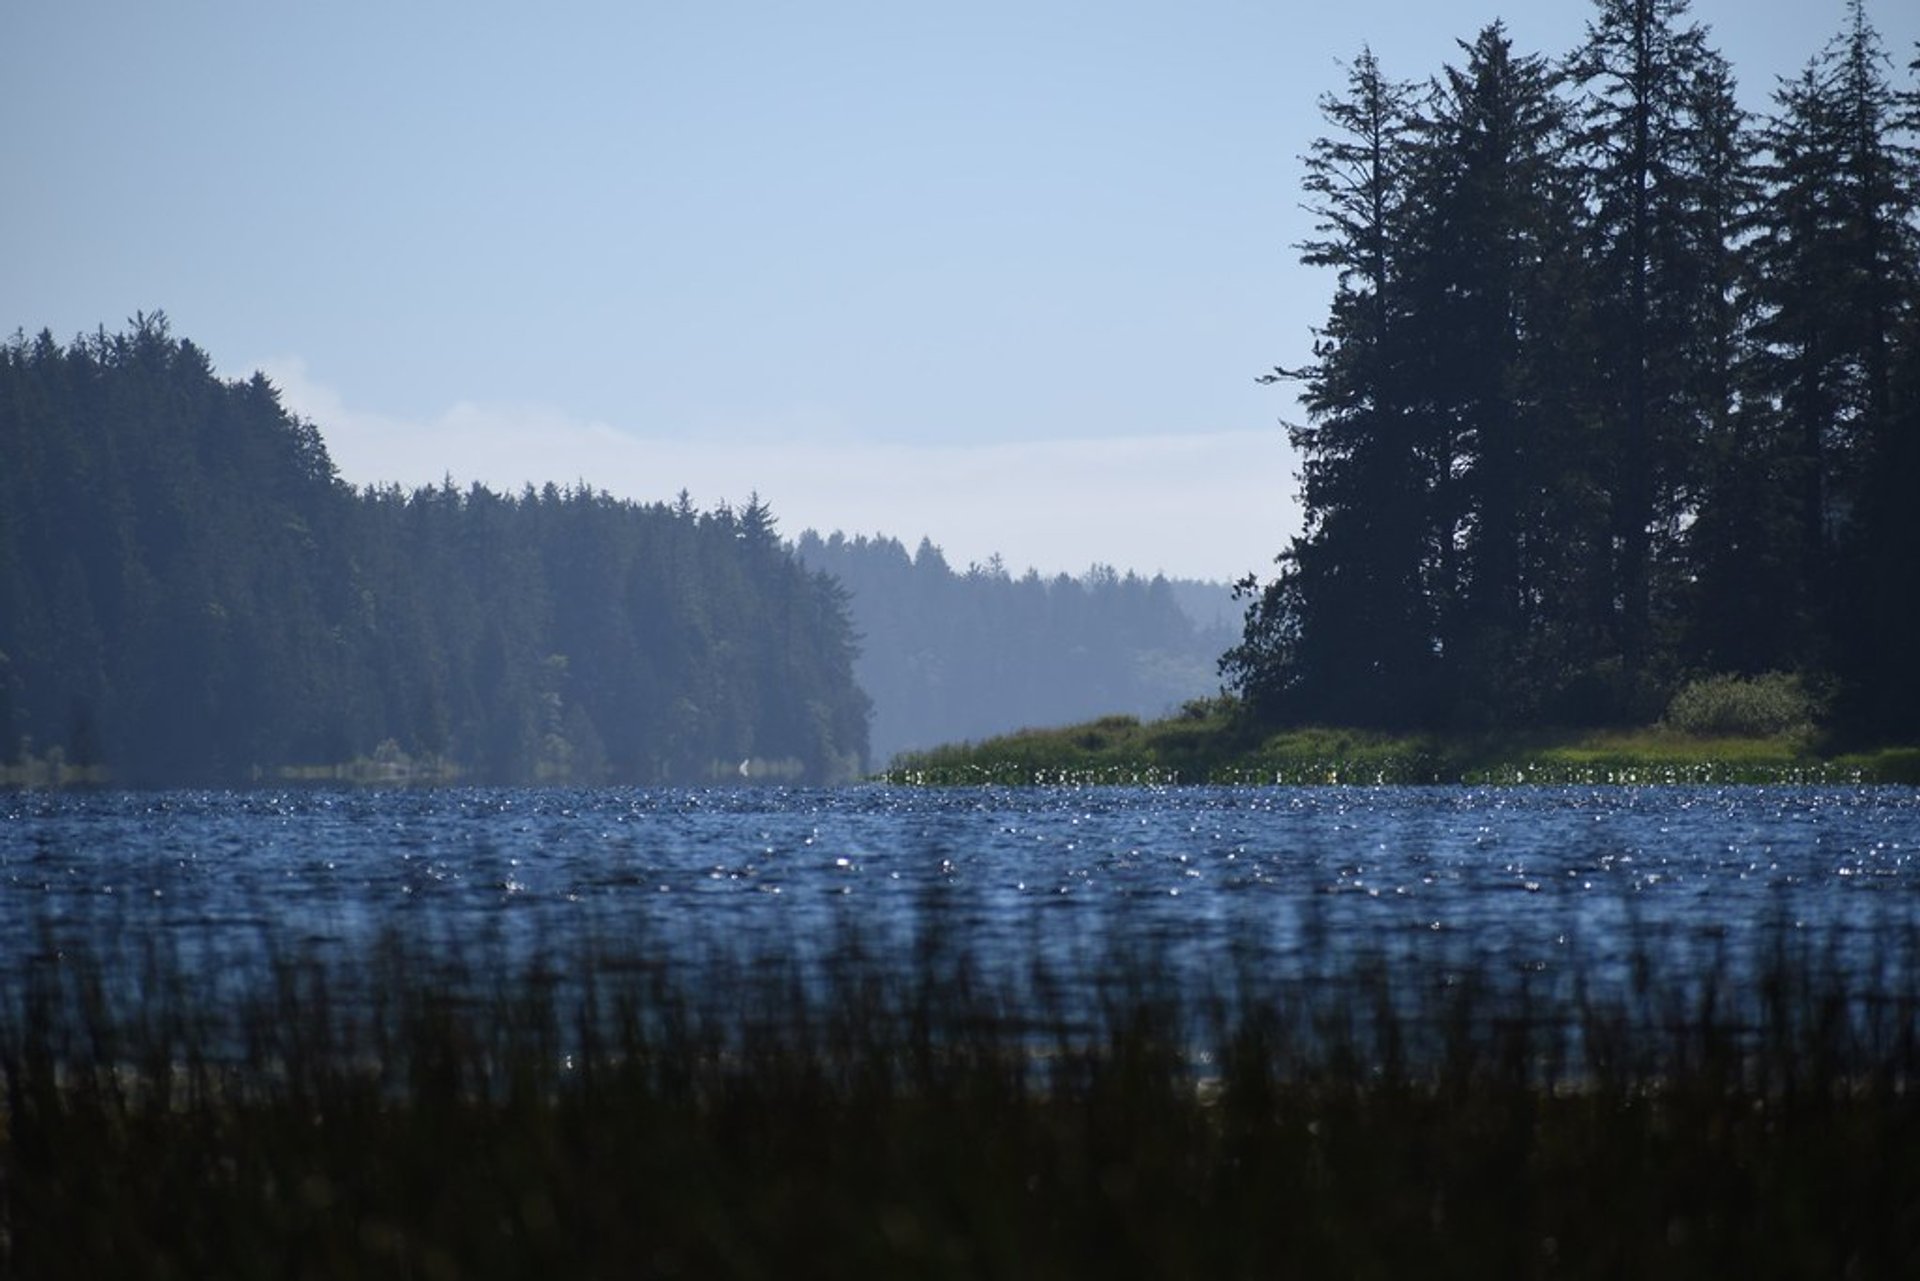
x,y
1285,880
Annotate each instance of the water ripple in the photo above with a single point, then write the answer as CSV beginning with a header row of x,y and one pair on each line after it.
x,y
1286,873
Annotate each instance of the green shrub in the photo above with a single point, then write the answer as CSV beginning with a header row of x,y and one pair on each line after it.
x,y
1743,707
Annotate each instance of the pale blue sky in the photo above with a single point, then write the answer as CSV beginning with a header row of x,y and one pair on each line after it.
x,y
997,273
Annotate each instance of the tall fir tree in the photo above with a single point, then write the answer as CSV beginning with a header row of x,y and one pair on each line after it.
x,y
1655,97
1849,123
1346,624
1492,282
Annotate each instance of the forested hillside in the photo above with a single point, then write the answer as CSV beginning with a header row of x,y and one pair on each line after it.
x,y
950,656
189,594
1618,387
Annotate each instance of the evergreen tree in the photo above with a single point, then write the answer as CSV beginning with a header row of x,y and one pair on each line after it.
x,y
1347,625
1493,284
190,595
948,657
1842,276
1654,114
1793,539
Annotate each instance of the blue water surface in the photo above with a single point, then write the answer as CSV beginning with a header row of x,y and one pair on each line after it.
x,y
1295,879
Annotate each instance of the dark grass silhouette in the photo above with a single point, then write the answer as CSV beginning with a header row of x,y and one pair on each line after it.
x,y
750,1112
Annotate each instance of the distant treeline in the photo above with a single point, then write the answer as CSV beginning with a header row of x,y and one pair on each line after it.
x,y
188,593
1618,387
960,656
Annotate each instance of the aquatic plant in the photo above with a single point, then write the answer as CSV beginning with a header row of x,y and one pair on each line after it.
x,y
730,1111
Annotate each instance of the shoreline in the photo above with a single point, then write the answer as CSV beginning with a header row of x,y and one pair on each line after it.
x,y
1210,746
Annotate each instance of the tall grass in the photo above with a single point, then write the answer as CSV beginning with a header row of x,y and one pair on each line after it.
x,y
746,1112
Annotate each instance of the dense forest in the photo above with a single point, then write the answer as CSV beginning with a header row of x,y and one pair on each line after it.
x,y
950,656
188,593
1618,387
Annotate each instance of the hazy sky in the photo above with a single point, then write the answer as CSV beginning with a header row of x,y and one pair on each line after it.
x,y
1000,273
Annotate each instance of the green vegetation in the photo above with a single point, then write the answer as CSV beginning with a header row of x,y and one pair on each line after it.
x,y
1735,707
1214,742
188,594
1616,384
604,1113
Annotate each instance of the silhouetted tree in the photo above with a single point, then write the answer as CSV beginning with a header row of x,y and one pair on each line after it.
x,y
1347,624
1611,390
1495,287
1655,112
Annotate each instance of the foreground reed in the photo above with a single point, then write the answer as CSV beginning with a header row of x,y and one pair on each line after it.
x,y
598,1112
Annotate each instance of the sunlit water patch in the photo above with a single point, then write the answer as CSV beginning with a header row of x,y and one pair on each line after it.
x,y
1207,881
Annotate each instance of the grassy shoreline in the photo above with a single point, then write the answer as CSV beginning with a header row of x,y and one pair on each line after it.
x,y
1208,744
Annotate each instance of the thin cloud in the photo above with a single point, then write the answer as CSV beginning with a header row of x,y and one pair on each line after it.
x,y
1209,505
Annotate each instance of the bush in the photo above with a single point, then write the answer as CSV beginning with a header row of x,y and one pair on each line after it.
x,y
1743,707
